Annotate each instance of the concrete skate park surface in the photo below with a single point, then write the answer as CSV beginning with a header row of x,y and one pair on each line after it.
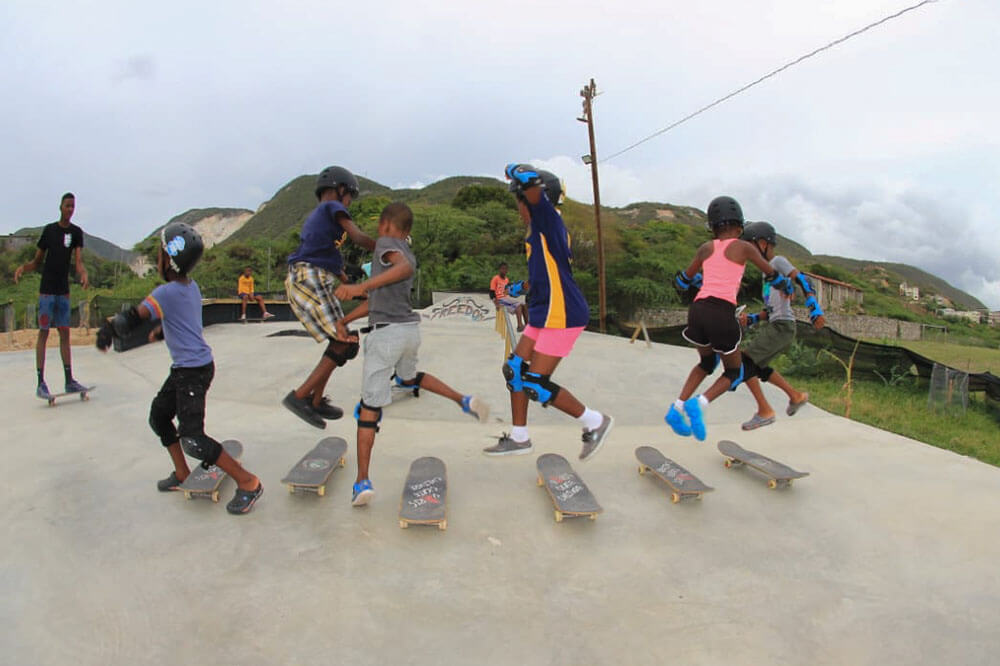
x,y
887,553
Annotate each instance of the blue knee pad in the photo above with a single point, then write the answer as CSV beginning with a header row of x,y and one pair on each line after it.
x,y
513,371
735,376
540,388
748,370
367,424
709,363
413,385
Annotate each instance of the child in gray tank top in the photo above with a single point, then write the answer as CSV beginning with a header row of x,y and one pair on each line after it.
x,y
393,339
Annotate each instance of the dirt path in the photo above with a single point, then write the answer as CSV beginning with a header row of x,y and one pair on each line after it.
x,y
26,339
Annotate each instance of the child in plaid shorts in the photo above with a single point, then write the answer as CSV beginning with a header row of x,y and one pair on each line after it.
x,y
313,272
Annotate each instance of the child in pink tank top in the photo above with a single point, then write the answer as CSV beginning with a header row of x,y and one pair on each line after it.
x,y
715,272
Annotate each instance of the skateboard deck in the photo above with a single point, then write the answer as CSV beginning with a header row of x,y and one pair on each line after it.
x,y
312,471
83,395
570,495
683,483
779,474
205,482
425,494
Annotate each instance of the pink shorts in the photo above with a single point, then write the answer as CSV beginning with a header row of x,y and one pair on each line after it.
x,y
556,342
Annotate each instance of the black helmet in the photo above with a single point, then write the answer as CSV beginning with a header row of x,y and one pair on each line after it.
x,y
554,188
754,231
724,210
333,177
183,245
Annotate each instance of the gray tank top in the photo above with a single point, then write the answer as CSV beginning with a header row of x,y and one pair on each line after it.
x,y
391,304
777,302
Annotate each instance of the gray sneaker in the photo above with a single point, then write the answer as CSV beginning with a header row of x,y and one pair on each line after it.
x,y
593,440
505,446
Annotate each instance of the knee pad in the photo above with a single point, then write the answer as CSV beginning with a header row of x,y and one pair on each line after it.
x,y
748,370
202,447
540,388
513,371
341,352
765,373
709,363
735,375
163,425
413,384
367,424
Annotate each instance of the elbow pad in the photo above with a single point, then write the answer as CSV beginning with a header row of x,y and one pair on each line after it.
x,y
804,283
126,322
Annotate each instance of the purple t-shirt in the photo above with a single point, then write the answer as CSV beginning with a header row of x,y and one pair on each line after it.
x,y
322,235
178,306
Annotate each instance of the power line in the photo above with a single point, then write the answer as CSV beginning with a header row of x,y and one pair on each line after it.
x,y
768,76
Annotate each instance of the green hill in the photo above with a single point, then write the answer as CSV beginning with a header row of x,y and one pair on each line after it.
x,y
194,216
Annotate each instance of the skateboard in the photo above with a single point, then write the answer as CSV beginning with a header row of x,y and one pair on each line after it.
x,y
569,493
83,395
205,482
683,483
780,475
311,472
425,494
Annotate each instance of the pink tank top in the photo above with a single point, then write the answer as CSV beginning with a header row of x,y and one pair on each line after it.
x,y
720,276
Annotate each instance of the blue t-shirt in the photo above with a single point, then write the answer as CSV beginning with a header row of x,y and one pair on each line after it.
x,y
178,306
555,301
322,237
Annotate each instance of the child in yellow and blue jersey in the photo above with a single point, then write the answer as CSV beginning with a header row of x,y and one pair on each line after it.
x,y
557,314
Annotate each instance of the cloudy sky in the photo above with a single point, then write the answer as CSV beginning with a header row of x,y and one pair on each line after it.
x,y
884,147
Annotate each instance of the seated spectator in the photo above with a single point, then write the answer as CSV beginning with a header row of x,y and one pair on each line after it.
x,y
501,295
245,289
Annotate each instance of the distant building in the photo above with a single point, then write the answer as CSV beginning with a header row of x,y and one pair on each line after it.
x,y
994,318
974,316
833,294
906,291
14,242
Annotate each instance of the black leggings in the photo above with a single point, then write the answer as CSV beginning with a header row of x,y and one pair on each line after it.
x,y
183,396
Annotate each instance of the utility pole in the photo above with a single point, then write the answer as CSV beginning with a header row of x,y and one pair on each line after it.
x,y
588,93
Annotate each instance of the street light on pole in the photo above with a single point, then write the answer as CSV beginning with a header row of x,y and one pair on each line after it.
x,y
588,92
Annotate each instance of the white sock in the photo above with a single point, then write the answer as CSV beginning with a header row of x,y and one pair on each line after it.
x,y
702,402
679,404
519,434
590,419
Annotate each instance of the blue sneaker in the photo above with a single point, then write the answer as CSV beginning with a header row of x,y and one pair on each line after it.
x,y
473,406
73,386
43,391
676,421
363,493
693,411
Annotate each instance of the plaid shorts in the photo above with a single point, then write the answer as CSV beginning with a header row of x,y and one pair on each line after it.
x,y
310,295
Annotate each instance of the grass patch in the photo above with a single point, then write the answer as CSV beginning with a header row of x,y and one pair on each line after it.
x,y
903,410
972,359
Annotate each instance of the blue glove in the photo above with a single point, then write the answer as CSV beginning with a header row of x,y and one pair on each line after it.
x,y
522,176
815,311
753,319
516,288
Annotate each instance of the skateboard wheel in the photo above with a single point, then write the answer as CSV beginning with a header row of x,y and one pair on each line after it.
x,y
675,498
642,470
343,461
187,495
699,496
321,491
215,496
728,463
772,484
593,516
291,489
540,482
443,525
403,524
52,403
559,517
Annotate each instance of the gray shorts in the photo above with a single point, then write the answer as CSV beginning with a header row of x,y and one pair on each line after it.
x,y
389,349
772,339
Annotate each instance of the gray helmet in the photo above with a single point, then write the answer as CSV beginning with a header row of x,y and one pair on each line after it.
x,y
333,177
724,210
554,188
754,231
183,245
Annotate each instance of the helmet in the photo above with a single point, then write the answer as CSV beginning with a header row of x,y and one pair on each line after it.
x,y
724,210
334,176
754,231
183,245
554,187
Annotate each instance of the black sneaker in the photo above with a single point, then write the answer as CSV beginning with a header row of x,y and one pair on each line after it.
x,y
244,500
304,410
328,411
169,483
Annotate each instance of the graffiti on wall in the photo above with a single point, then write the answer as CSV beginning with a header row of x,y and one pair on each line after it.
x,y
460,306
